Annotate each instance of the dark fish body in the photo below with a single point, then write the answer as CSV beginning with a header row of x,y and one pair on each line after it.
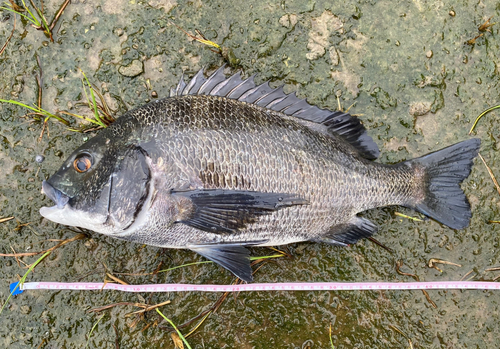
x,y
224,164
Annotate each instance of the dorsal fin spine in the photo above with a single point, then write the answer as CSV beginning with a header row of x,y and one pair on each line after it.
x,y
337,122
236,93
249,92
213,80
270,96
193,82
274,102
180,86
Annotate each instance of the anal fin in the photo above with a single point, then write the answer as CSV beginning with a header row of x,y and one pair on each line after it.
x,y
233,257
349,233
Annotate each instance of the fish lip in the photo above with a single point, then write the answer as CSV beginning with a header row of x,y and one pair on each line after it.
x,y
59,198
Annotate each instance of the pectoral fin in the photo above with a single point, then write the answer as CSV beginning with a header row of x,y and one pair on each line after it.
x,y
233,257
226,211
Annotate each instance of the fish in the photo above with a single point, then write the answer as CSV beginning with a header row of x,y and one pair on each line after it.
x,y
224,164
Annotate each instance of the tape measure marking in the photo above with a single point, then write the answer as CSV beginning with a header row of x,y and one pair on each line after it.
x,y
290,286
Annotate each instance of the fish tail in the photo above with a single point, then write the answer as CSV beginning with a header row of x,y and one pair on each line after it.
x,y
442,172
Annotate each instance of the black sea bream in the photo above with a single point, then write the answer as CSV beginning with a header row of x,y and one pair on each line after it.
x,y
222,164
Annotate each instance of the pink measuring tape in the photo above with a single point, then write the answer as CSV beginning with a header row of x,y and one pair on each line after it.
x,y
288,286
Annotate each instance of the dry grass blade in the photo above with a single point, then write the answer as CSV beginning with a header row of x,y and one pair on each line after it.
x,y
491,174
15,6
433,261
117,342
6,219
486,25
285,253
24,254
42,343
114,278
39,82
473,41
352,105
429,299
492,269
260,266
399,264
20,226
463,277
8,39
145,307
177,340
380,244
58,14
148,308
226,52
203,315
154,323
39,86
201,39
402,333
199,324
104,307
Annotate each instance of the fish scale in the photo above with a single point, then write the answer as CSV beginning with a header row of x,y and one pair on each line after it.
x,y
224,163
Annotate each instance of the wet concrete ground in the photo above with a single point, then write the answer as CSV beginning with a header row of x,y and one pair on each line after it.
x,y
417,86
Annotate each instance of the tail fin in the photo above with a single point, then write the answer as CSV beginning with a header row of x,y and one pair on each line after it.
x,y
445,169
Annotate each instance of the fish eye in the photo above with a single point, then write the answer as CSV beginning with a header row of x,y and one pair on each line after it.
x,y
82,163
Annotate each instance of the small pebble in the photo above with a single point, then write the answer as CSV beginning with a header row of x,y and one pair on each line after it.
x,y
452,13
429,54
118,31
133,69
39,158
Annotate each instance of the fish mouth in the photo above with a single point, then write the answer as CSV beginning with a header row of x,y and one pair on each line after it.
x,y
59,198
62,212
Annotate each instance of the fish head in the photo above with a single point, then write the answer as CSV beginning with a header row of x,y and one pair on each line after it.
x,y
102,186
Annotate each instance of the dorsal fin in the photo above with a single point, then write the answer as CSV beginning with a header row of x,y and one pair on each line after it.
x,y
234,87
